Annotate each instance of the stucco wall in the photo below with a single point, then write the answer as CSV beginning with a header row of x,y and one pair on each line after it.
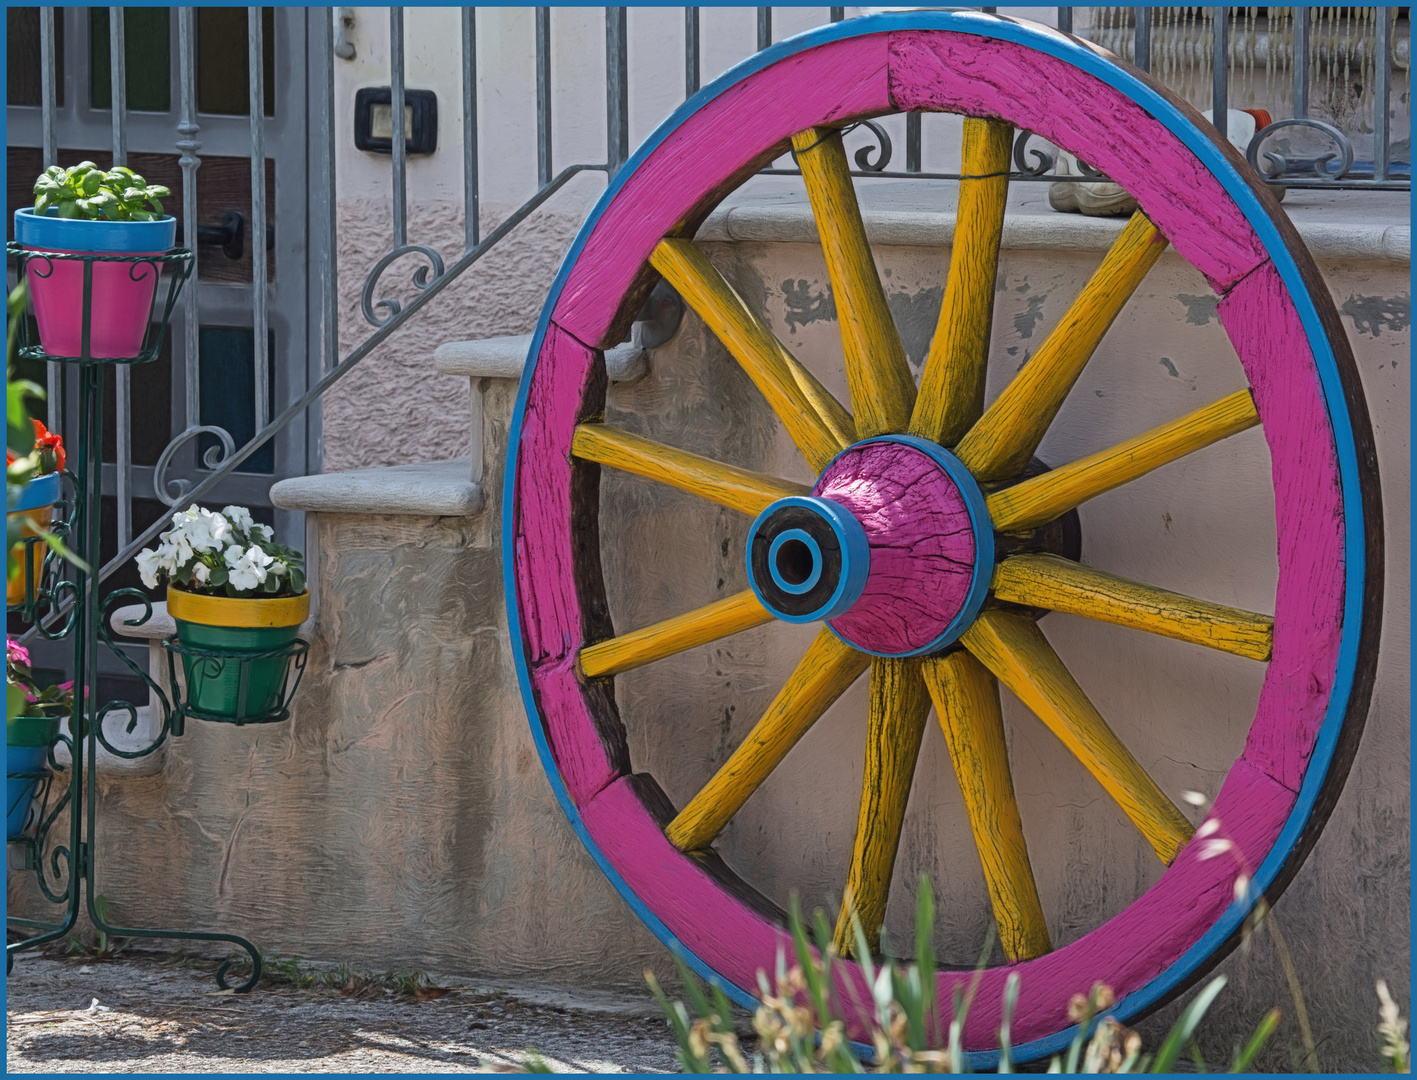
x,y
402,817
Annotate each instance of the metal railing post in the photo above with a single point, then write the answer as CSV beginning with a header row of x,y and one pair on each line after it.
x,y
691,51
48,105
122,377
189,162
255,43
1220,71
617,90
1141,55
543,96
764,28
1301,62
398,132
1065,20
1382,91
472,209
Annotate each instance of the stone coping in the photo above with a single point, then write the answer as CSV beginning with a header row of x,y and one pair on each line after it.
x,y
162,625
433,488
505,357
1334,224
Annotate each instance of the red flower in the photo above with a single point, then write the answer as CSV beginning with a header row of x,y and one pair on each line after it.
x,y
45,440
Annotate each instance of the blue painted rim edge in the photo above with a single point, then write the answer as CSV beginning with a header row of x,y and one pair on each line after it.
x,y
51,233
41,491
1054,44
855,556
806,539
981,525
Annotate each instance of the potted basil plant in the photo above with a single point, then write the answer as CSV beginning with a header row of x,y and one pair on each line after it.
x,y
85,210
235,594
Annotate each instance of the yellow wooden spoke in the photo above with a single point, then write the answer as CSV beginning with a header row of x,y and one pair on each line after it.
x,y
1043,498
658,640
1004,439
814,419
952,386
727,485
1015,650
967,703
895,724
821,677
882,389
1057,584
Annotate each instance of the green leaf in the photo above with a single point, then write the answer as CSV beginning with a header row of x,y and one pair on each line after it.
x,y
1185,1028
157,207
140,215
91,183
42,203
219,576
69,209
1257,1042
297,581
158,191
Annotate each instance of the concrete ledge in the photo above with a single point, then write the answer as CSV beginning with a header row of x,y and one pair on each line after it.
x,y
162,625
435,488
1334,225
505,358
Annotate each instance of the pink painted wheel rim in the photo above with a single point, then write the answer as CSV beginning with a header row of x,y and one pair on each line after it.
x,y
1031,77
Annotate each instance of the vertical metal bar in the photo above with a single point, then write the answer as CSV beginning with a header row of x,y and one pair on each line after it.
x,y
617,89
912,142
1301,62
1065,20
256,74
118,85
472,209
400,136
1220,71
691,51
764,28
47,105
543,96
122,428
329,253
1142,53
837,14
1382,90
188,127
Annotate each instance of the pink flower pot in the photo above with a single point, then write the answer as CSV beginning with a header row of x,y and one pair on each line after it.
x,y
121,297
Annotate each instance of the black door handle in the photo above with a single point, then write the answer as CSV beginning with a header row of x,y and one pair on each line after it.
x,y
230,235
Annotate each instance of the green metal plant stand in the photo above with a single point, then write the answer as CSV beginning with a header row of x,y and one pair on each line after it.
x,y
68,604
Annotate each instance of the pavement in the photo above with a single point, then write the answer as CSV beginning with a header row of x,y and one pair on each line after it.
x,y
163,1013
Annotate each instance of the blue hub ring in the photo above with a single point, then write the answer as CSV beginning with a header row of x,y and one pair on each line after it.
x,y
835,543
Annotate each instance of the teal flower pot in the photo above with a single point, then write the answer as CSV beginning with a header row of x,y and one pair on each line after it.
x,y
27,742
221,640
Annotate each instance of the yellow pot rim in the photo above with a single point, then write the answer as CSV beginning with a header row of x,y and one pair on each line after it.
x,y
257,612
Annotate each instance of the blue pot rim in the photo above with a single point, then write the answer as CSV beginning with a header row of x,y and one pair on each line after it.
x,y
41,491
53,233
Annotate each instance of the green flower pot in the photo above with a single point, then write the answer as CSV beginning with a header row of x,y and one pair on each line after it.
x,y
230,634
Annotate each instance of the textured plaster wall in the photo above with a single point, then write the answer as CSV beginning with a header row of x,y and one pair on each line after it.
x,y
402,816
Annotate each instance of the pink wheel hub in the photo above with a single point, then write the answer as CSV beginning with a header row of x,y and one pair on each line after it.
x,y
931,545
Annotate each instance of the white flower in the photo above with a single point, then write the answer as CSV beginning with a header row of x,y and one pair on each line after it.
x,y
247,568
201,572
149,563
262,532
278,569
240,517
208,532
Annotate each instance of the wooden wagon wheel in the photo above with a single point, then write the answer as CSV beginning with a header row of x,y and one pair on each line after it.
x,y
895,545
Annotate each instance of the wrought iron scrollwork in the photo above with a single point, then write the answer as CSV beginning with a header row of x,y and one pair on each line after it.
x,y
173,491
155,692
882,148
423,277
1279,164
1044,161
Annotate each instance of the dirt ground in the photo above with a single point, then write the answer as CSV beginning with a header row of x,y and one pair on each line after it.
x,y
157,1013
